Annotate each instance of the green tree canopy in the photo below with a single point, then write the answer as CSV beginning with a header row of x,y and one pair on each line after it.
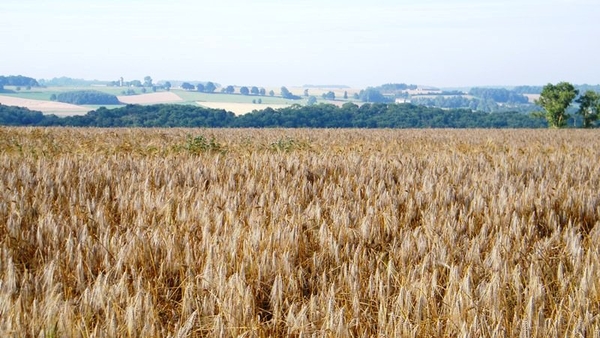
x,y
372,95
87,97
210,87
555,99
589,108
244,91
187,86
329,95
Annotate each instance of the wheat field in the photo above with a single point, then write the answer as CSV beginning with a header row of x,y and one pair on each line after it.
x,y
302,233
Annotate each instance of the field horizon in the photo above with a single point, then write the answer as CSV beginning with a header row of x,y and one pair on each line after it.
x,y
38,98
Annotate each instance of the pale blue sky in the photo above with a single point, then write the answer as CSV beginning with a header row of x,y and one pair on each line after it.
x,y
272,43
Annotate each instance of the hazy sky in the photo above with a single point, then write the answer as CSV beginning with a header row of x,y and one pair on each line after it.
x,y
266,42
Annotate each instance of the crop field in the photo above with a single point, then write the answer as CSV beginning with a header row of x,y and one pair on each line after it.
x,y
38,98
150,98
48,107
192,96
326,233
240,108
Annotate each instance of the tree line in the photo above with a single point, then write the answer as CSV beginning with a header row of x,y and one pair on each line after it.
x,y
86,97
18,80
350,115
557,99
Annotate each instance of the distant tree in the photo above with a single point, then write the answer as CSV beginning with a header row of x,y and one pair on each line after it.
x,y
286,94
372,95
500,95
147,81
229,89
53,97
253,100
262,92
259,101
28,88
306,92
210,87
311,100
199,87
244,91
345,95
18,88
254,90
136,83
18,80
555,99
187,86
167,86
154,89
143,89
329,95
589,108
87,97
271,93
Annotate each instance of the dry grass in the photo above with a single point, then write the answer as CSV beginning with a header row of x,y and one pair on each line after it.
x,y
299,233
48,107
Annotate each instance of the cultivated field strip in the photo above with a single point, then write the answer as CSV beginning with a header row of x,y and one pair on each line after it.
x,y
396,233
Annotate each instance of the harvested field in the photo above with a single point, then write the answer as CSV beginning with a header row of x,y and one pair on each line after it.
x,y
240,108
337,233
150,98
48,107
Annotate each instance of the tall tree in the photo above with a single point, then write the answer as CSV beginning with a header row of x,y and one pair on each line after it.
x,y
187,86
229,89
262,92
589,108
555,99
200,87
254,90
244,91
329,95
167,85
147,81
210,87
